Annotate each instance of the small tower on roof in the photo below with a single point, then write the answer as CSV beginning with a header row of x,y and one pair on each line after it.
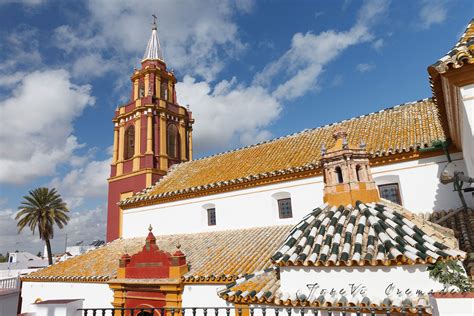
x,y
346,171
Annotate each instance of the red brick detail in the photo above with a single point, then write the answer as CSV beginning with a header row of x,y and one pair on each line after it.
x,y
128,166
150,263
130,184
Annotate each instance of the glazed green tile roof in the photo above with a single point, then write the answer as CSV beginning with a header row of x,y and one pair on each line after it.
x,y
462,53
368,234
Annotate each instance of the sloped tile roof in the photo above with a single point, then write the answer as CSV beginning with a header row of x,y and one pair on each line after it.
x,y
400,129
213,257
369,234
460,54
263,287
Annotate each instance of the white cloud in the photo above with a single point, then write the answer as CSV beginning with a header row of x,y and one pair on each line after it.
x,y
303,63
92,65
20,47
228,113
83,182
36,124
84,225
192,41
432,12
365,67
378,44
24,2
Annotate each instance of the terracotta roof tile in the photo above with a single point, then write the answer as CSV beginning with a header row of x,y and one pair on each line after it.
x,y
399,129
213,256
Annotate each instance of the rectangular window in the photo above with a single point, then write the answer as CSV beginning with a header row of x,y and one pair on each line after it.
x,y
211,216
390,192
284,208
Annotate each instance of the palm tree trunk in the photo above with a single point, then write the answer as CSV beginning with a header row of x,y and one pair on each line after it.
x,y
48,248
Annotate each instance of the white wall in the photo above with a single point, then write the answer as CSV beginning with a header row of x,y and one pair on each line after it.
x,y
95,295
375,281
203,296
256,207
467,129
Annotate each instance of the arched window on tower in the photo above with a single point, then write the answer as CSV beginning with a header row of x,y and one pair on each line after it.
x,y
129,148
173,141
340,179
164,90
359,173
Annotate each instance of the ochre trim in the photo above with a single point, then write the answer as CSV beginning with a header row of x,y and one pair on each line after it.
x,y
132,174
157,108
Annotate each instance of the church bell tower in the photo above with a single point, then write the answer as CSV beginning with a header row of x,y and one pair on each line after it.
x,y
151,133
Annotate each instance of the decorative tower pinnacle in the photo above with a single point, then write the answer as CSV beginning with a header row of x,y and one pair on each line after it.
x,y
153,49
346,171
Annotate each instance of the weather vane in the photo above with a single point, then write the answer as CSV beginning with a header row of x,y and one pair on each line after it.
x,y
154,18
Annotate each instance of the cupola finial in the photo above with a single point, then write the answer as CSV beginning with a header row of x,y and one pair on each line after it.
x,y
153,49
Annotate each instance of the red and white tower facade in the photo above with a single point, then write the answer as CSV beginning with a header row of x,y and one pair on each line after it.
x,y
151,133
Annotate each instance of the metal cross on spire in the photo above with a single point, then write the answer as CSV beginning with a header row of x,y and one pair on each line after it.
x,y
154,20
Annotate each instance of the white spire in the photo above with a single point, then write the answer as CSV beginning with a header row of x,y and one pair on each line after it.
x,y
153,49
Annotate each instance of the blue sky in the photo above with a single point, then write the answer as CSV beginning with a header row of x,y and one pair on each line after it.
x,y
250,71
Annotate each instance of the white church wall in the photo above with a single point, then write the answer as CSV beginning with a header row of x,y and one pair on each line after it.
x,y
256,207
373,282
95,295
421,190
203,295
467,129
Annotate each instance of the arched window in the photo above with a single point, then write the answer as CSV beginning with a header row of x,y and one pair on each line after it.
x,y
340,179
358,173
141,91
164,90
173,141
129,148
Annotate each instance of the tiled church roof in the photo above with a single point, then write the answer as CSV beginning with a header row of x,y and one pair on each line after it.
x,y
220,256
369,234
400,129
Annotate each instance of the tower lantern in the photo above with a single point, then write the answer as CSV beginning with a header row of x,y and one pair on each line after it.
x,y
151,132
346,172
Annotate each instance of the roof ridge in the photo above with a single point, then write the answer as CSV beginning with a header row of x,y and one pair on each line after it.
x,y
306,130
143,194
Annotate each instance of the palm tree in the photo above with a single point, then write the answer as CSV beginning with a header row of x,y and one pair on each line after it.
x,y
41,209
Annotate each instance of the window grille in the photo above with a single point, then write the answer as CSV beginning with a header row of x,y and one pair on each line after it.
x,y
211,216
390,192
284,208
